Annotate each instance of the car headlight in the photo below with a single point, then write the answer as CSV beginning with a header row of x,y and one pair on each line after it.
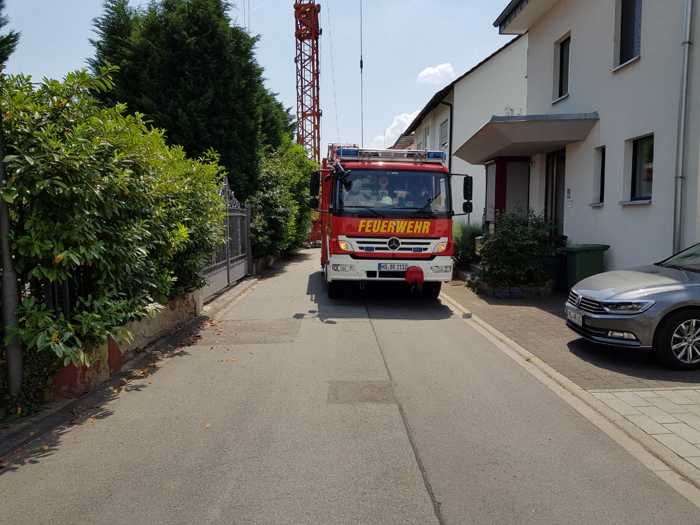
x,y
440,247
628,307
345,246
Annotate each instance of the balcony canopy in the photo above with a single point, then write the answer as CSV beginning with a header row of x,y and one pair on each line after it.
x,y
525,135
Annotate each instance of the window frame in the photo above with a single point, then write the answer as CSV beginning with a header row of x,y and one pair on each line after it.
x,y
623,41
560,81
634,195
564,73
444,144
600,167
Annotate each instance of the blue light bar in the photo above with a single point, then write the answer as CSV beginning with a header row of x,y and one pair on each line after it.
x,y
354,152
348,152
437,155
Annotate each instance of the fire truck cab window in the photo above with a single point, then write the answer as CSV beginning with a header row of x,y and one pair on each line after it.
x,y
389,191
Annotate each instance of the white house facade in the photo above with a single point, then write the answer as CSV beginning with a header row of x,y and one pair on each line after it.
x,y
608,145
495,85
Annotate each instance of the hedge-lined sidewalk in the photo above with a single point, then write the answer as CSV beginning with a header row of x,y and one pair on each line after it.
x,y
538,325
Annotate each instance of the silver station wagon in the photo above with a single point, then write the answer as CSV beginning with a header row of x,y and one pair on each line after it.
x,y
654,307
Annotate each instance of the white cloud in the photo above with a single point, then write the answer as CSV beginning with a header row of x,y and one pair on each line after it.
x,y
439,75
392,133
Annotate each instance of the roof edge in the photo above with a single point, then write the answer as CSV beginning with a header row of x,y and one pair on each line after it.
x,y
438,96
513,8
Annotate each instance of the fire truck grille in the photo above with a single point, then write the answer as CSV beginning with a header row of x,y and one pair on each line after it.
x,y
381,244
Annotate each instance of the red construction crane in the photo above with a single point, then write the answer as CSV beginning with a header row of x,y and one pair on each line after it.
x,y
308,105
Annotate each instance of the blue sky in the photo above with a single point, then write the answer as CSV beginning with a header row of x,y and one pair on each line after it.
x,y
411,49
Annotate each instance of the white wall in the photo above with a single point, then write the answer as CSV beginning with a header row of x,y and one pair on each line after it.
x,y
497,87
638,99
691,233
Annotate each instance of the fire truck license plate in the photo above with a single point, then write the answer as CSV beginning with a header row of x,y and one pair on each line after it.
x,y
392,267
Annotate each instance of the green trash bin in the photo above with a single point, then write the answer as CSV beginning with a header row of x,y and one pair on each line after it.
x,y
583,260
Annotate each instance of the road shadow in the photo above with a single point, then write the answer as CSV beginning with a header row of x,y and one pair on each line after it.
x,y
631,362
35,441
281,265
381,300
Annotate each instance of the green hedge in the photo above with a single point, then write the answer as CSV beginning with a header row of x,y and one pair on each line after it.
x,y
514,254
98,200
281,216
465,248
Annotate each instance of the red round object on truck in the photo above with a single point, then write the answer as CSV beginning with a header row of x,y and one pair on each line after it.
x,y
414,275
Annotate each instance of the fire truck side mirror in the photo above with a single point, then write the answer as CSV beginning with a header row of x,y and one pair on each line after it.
x,y
313,203
315,184
467,207
468,188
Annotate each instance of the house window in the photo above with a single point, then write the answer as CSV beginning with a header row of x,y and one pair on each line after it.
x,y
444,134
642,168
600,164
562,80
630,30
427,137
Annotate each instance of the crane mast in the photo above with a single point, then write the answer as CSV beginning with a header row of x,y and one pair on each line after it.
x,y
307,32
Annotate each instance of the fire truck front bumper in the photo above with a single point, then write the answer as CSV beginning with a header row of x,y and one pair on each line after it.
x,y
345,268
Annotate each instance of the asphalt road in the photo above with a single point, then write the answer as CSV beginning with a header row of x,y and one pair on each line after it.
x,y
292,409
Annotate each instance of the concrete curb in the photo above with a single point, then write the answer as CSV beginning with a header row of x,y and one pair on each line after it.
x,y
674,470
219,302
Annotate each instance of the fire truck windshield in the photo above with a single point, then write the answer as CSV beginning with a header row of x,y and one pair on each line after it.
x,y
394,192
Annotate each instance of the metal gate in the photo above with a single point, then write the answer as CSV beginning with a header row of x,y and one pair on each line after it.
x,y
233,260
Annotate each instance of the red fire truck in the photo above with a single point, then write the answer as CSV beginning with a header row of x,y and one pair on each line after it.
x,y
386,215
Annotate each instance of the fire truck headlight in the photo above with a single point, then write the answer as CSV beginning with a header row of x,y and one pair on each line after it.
x,y
440,247
442,269
345,246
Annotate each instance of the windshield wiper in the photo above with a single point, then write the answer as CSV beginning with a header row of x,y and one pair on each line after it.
x,y
424,208
675,267
367,208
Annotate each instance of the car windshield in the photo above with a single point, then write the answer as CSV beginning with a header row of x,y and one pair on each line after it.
x,y
688,259
393,191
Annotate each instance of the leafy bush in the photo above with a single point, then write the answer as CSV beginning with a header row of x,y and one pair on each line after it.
x,y
101,207
464,235
514,254
281,216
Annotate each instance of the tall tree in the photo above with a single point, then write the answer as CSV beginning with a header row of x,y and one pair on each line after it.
x,y
193,73
8,42
114,30
276,121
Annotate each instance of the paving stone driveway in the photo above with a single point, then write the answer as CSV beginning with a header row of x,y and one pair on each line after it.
x,y
538,326
672,417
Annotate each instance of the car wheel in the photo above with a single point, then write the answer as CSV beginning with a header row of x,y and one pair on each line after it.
x,y
678,340
431,290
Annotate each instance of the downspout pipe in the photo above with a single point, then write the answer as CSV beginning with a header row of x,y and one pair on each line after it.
x,y
680,179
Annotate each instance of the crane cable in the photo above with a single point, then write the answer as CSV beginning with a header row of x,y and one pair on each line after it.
x,y
329,21
362,87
